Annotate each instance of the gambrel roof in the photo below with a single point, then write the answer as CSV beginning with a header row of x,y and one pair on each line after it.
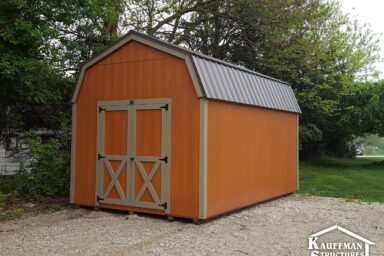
x,y
213,78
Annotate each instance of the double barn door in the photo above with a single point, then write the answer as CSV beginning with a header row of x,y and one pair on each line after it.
x,y
133,153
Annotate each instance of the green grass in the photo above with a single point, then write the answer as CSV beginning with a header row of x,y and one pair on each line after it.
x,y
360,178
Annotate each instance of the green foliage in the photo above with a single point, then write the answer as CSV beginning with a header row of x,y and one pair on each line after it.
x,y
7,183
360,178
322,53
42,44
34,92
7,188
3,199
49,174
310,136
82,28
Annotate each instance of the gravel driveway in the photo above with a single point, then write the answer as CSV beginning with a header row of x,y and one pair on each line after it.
x,y
279,227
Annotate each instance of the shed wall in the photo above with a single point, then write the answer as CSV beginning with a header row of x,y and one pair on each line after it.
x,y
136,71
252,156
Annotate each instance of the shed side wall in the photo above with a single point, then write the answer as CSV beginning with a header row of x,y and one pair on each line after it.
x,y
136,71
252,155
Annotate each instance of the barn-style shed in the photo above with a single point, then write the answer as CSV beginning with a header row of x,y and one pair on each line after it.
x,y
163,130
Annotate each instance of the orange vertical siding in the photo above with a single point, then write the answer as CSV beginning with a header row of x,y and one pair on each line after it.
x,y
136,71
252,155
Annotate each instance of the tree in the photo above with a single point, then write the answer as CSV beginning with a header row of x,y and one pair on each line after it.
x,y
324,55
32,89
42,45
310,44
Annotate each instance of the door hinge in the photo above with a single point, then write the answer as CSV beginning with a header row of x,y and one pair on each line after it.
x,y
165,159
101,109
100,157
98,198
165,107
164,205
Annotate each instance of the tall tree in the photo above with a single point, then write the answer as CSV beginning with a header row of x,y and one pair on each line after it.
x,y
310,44
32,89
42,44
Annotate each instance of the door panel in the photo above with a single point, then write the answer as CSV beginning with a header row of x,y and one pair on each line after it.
x,y
116,133
148,132
133,163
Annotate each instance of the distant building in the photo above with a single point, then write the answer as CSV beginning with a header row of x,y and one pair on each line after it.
x,y
14,154
10,155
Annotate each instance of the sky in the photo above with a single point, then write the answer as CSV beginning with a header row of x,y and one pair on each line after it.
x,y
371,12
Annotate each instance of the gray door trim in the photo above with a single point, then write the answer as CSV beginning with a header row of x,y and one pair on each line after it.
x,y
108,103
99,150
130,199
203,157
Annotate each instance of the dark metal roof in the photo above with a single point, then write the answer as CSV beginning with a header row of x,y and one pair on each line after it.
x,y
239,85
220,80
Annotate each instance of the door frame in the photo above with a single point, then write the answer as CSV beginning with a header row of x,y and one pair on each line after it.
x,y
131,106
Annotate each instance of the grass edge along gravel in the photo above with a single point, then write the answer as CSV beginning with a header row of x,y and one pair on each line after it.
x,y
352,179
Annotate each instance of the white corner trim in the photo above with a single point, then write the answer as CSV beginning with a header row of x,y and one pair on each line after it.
x,y
203,154
73,155
297,152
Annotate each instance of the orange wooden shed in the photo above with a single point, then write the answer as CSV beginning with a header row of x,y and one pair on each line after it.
x,y
161,129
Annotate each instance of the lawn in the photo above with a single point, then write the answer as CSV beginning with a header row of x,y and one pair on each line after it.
x,y
360,178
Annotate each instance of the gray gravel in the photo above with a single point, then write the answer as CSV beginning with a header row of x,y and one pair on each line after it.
x,y
279,227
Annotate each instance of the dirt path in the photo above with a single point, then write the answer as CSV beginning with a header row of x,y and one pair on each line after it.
x,y
279,227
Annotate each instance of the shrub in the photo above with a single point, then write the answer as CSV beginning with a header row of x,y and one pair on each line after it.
x,y
3,199
310,136
49,173
7,184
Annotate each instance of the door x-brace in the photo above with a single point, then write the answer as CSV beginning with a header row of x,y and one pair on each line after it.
x,y
147,181
114,178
